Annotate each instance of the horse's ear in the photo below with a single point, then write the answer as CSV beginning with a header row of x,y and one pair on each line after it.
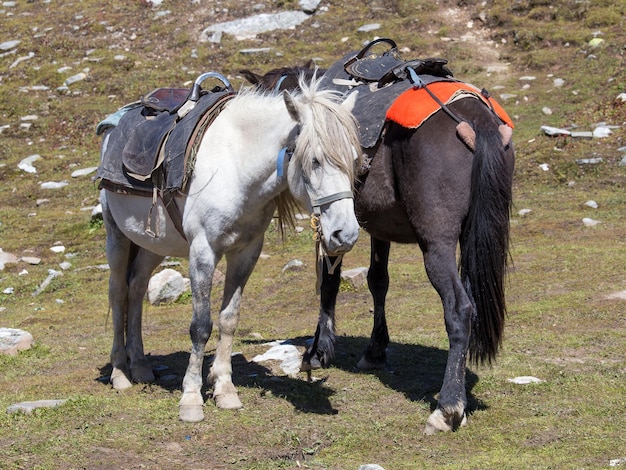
x,y
251,76
350,101
292,106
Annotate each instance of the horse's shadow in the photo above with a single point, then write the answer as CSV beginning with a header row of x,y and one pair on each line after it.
x,y
414,370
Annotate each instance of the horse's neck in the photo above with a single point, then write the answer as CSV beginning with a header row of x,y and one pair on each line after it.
x,y
240,151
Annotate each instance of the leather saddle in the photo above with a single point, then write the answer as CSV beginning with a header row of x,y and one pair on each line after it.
x,y
166,111
389,67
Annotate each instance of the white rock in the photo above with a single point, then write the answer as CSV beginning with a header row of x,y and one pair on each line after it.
x,y
65,265
601,131
525,379
51,275
366,28
282,351
558,82
591,203
28,406
165,286
248,28
617,295
547,111
13,340
75,78
33,260
552,131
5,46
53,184
524,212
84,171
544,166
590,222
357,277
294,264
7,258
27,163
57,249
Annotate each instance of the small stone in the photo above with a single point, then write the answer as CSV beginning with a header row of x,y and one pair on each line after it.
x,y
166,286
293,265
7,258
601,131
558,82
547,111
28,407
84,171
544,166
75,78
525,379
595,42
356,277
589,161
590,222
524,212
591,203
53,184
27,163
13,340
33,260
366,28
57,249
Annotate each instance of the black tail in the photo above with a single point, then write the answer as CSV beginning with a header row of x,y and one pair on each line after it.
x,y
485,242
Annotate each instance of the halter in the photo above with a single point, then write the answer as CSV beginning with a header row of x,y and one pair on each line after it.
x,y
284,155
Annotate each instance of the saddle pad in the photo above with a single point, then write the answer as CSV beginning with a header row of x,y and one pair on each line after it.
x,y
121,135
415,106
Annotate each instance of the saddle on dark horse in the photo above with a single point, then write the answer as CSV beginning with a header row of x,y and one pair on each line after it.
x,y
406,92
149,146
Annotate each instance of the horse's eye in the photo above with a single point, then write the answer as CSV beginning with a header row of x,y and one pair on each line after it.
x,y
316,163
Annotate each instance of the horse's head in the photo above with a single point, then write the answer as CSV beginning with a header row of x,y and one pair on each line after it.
x,y
321,173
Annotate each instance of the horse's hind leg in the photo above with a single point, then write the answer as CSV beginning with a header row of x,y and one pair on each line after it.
x,y
322,350
138,277
375,355
442,271
130,268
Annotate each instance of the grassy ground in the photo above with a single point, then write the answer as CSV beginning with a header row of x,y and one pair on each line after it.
x,y
562,328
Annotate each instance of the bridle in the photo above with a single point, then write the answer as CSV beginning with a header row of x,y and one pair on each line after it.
x,y
284,155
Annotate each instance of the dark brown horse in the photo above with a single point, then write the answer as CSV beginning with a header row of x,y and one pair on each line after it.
x,y
433,186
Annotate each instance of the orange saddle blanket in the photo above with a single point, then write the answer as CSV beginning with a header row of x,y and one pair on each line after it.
x,y
414,106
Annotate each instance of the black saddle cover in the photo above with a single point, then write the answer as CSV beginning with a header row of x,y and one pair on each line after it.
x,y
133,142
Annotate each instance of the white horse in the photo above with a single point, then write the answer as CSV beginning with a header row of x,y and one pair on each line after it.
x,y
234,190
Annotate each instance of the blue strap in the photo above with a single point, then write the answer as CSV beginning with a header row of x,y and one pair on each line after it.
x,y
415,78
279,82
280,162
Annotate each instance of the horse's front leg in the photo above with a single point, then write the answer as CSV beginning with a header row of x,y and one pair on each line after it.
x,y
322,350
239,267
442,271
202,263
375,355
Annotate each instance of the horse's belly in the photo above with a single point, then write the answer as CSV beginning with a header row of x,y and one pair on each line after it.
x,y
148,227
391,224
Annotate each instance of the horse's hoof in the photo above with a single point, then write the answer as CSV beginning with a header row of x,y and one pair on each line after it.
x,y
190,414
228,401
119,380
364,364
190,408
142,374
439,421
